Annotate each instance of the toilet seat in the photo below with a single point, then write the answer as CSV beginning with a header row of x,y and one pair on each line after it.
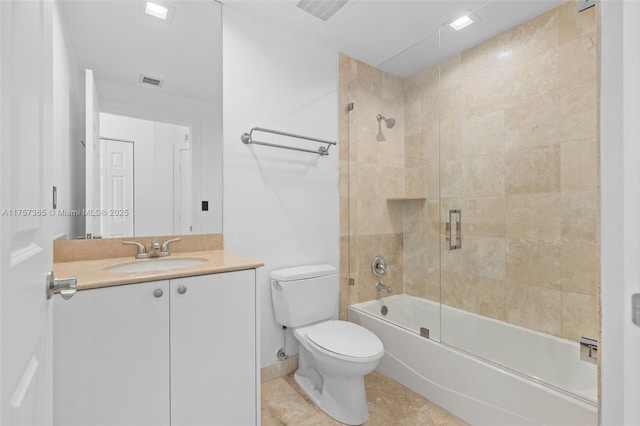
x,y
345,340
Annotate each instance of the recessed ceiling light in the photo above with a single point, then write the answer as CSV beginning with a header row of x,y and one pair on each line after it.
x,y
460,23
156,10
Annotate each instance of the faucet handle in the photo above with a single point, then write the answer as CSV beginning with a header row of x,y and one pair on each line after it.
x,y
142,251
165,245
379,266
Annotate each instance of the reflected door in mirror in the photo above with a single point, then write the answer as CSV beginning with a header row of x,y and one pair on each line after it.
x,y
117,187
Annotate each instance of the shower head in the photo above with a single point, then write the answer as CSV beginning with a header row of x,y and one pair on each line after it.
x,y
390,122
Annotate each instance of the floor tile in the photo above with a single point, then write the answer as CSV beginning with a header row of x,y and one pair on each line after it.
x,y
283,405
390,403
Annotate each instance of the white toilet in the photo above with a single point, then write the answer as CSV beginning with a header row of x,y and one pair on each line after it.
x,y
334,356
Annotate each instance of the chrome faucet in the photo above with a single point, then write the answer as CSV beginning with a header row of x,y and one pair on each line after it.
x,y
155,249
381,287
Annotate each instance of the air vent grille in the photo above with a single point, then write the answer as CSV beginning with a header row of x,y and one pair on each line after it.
x,y
151,81
322,9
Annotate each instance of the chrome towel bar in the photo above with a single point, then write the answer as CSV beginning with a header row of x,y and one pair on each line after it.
x,y
247,138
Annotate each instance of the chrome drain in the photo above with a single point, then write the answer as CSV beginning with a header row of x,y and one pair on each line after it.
x,y
384,310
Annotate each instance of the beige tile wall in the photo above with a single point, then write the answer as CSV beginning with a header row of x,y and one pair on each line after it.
x,y
371,172
507,132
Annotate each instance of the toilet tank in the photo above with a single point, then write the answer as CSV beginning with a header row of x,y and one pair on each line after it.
x,y
305,294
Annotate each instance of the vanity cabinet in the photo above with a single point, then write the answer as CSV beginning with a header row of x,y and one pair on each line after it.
x,y
213,350
174,352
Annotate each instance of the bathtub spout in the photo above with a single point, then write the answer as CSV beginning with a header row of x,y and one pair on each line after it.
x,y
381,287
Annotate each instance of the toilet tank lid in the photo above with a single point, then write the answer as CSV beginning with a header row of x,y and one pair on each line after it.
x,y
302,272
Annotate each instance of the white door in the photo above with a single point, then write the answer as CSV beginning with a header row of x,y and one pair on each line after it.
x,y
181,188
92,154
26,90
117,188
631,208
620,209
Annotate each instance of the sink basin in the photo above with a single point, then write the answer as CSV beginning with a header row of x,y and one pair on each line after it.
x,y
155,265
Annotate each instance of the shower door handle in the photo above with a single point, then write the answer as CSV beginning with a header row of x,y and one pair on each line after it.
x,y
454,244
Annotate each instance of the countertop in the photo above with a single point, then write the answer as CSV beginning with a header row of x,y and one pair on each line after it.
x,y
91,274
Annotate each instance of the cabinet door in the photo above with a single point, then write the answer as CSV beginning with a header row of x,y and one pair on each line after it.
x,y
111,356
213,350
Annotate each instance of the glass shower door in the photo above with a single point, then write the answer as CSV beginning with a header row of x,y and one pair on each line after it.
x,y
391,199
519,173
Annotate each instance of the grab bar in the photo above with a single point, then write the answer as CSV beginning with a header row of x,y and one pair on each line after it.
x,y
247,138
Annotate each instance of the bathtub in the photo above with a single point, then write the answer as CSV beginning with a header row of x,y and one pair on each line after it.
x,y
532,378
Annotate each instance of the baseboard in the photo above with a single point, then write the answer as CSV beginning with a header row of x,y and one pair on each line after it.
x,y
279,369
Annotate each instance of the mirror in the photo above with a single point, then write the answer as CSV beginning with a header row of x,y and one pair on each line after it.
x,y
153,115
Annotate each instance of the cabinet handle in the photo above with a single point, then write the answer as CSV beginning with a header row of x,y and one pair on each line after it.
x,y
182,289
158,293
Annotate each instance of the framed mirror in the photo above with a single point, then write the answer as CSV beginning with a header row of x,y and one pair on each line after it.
x,y
152,79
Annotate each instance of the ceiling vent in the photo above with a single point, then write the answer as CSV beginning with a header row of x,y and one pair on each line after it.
x,y
322,9
151,81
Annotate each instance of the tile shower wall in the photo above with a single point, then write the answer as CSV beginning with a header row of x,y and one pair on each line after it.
x,y
371,172
507,132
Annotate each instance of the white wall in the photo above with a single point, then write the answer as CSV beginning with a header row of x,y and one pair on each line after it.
x,y
620,230
68,131
153,170
280,206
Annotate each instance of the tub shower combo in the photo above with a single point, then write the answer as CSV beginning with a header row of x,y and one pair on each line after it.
x,y
469,220
486,371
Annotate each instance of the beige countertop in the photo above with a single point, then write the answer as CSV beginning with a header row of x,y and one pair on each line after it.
x,y
91,273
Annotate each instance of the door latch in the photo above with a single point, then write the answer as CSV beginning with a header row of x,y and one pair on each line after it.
x,y
635,309
66,287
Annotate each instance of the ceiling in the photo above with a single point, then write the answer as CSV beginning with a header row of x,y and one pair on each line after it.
x,y
119,42
397,36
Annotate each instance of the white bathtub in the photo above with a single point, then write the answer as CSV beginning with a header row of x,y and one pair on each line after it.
x,y
544,381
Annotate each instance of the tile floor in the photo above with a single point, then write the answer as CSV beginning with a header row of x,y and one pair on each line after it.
x,y
390,403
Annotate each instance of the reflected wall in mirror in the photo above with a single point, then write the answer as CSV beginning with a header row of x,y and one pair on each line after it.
x,y
153,116
145,172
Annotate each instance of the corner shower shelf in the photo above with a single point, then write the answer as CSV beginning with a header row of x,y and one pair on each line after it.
x,y
406,199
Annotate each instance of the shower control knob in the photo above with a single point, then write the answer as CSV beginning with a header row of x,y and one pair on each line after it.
x,y
182,289
379,266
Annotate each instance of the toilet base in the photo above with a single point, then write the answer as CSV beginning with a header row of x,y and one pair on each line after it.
x,y
343,399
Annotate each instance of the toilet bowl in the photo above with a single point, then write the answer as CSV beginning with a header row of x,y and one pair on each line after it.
x,y
333,356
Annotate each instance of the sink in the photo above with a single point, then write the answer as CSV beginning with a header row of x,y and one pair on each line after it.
x,y
155,265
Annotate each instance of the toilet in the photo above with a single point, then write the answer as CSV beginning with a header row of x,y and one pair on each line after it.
x,y
333,356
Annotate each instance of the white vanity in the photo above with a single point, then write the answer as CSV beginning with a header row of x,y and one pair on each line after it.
x,y
171,351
